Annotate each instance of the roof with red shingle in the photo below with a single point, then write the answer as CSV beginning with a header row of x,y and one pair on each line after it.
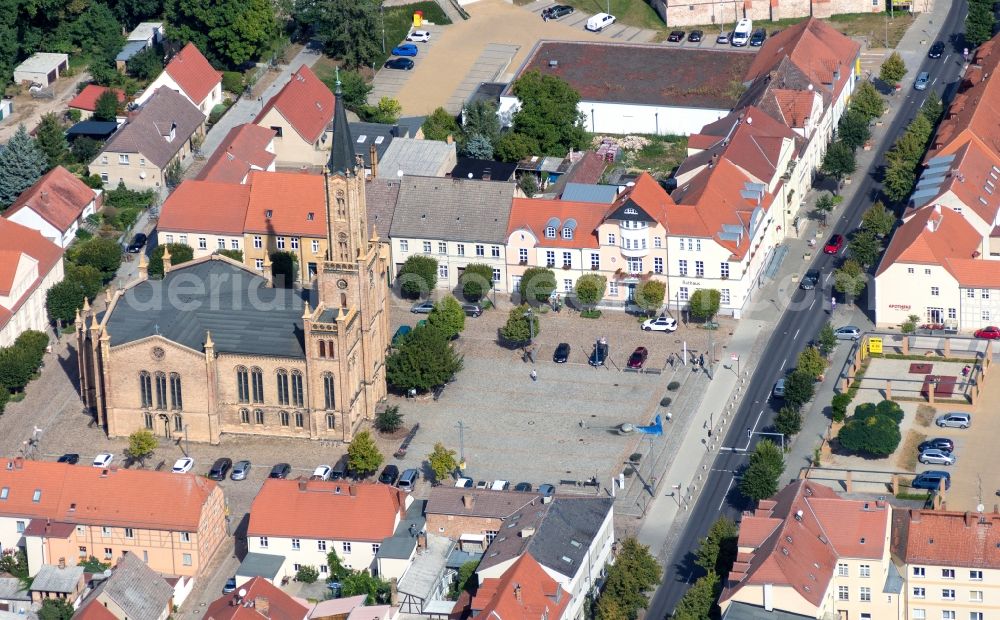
x,y
524,592
948,538
823,53
974,113
206,207
15,241
258,592
305,102
243,149
933,235
59,197
535,214
287,203
87,98
193,73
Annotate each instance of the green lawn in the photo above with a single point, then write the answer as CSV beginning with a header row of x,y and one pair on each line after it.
x,y
660,156
399,19
629,12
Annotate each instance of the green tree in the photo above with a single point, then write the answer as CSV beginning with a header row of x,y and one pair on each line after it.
x,y
16,367
22,163
867,101
477,147
590,289
93,565
649,294
788,422
513,146
517,327
704,304
878,219
697,602
356,583
717,551
853,128
476,281
893,69
439,125
229,33
548,115
236,255
537,284
141,445
824,204
423,361
760,478
98,33
634,573
528,184
448,317
932,107
363,456
389,420
148,64
15,563
103,254
386,111
873,435
899,180
839,161
179,253
607,608
51,139
354,89
799,389
55,609
307,574
811,362
337,569
979,23
827,339
480,119
464,579
106,106
418,276
85,150
838,406
850,279
864,247
62,301
442,462
348,30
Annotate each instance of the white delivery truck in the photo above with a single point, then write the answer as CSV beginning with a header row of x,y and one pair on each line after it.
x,y
742,32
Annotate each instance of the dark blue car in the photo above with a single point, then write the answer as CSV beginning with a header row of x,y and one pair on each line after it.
x,y
406,49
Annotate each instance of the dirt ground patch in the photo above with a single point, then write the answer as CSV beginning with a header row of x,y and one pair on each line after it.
x,y
876,27
907,458
925,415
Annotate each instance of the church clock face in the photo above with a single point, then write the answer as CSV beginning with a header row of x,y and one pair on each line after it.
x,y
341,284
157,353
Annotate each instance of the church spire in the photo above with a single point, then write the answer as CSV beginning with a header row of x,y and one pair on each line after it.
x,y
342,156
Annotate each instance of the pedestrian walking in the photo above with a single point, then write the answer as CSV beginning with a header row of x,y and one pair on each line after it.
x,y
534,375
833,304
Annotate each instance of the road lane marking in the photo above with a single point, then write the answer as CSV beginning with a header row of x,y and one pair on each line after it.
x,y
796,334
723,500
813,303
783,362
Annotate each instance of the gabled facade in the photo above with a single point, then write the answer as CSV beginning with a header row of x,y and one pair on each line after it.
x,y
56,206
30,265
300,116
245,148
255,600
190,74
524,592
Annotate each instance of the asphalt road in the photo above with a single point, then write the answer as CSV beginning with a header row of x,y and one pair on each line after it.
x,y
800,323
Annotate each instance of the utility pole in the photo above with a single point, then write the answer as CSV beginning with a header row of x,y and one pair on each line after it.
x,y
461,444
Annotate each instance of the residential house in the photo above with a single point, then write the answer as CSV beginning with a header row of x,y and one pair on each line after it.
x,y
56,206
571,538
675,13
245,148
86,100
473,517
457,221
300,116
162,132
14,597
41,68
30,265
417,157
133,591
256,599
372,140
483,169
142,37
60,514
59,582
807,551
357,518
207,216
191,75
525,590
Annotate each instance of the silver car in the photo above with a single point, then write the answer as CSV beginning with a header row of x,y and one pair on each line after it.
x,y
240,470
934,456
922,80
954,420
423,307
847,332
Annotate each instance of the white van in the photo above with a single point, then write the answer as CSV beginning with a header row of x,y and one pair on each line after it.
x,y
742,32
599,22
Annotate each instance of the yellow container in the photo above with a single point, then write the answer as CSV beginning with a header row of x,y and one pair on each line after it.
x,y
418,18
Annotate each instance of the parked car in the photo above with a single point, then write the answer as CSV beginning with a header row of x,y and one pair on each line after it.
x,y
922,80
473,310
280,471
808,281
561,356
389,475
406,49
240,470
600,354
757,38
400,334
138,241
676,36
638,358
989,333
723,38
403,64
419,36
933,456
834,245
408,480
523,487
599,22
936,50
938,443
220,468
103,459
183,466
662,323
954,420
558,11
482,484
778,391
695,36
546,490
230,586
931,480
499,485
423,307
72,458
847,332
321,473
464,483
339,471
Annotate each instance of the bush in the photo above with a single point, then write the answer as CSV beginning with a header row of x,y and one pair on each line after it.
x,y
673,386
876,435
477,280
307,574
590,314
537,284
74,115
886,408
839,406
216,113
665,401
179,253
418,276
232,82
389,421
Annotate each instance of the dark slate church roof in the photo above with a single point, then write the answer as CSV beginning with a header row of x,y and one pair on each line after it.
x,y
243,314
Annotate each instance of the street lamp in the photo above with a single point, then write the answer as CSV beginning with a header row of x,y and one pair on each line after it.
x,y
187,445
461,445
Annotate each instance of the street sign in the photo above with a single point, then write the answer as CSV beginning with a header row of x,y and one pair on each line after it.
x,y
734,356
874,344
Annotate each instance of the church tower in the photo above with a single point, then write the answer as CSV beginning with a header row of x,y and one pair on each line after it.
x,y
347,333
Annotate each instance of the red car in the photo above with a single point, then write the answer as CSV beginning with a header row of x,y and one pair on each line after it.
x,y
638,358
834,245
989,333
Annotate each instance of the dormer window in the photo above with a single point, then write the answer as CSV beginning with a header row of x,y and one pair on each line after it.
x,y
310,216
36,496
550,232
567,233
267,214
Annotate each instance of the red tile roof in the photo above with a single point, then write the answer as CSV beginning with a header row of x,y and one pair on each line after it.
x,y
94,610
359,512
305,102
243,149
259,591
974,113
751,140
935,235
87,99
16,240
534,214
524,592
798,536
956,539
290,198
795,105
589,169
206,206
59,197
121,497
193,73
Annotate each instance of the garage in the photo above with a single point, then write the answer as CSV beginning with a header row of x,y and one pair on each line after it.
x,y
42,68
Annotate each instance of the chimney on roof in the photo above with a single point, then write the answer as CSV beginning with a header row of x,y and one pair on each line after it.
x,y
468,500
302,484
263,606
62,563
914,516
967,518
487,174
798,515
19,462
517,592
527,532
373,158
45,197
353,490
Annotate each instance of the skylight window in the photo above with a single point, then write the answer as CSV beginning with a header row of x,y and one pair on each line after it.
x,y
37,496
362,138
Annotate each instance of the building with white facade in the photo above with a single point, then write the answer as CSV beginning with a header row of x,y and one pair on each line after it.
x,y
56,206
30,265
190,74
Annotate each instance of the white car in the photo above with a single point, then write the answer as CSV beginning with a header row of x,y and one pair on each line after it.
x,y
419,36
183,466
322,472
500,485
464,483
661,323
103,459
